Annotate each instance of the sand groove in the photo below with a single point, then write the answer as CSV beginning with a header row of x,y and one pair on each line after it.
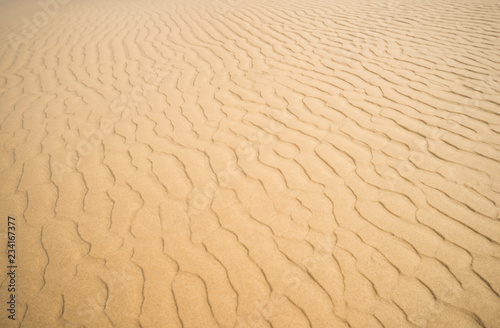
x,y
236,163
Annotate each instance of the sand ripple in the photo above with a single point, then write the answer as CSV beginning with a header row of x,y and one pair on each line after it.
x,y
260,163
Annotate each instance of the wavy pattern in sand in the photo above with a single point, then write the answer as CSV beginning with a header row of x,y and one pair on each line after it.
x,y
254,163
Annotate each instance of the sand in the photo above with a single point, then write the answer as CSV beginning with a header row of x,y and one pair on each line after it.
x,y
240,163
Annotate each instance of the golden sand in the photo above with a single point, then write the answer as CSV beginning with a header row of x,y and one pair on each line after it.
x,y
237,163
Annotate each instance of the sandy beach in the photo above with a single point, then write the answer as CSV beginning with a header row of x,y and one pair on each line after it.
x,y
248,164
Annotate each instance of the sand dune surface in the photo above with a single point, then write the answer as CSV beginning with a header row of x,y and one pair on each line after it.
x,y
237,163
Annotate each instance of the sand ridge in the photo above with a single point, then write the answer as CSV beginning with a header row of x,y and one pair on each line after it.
x,y
252,163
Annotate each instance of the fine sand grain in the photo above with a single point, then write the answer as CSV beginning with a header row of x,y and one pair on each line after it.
x,y
237,163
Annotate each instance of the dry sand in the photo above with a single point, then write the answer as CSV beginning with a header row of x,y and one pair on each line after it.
x,y
242,163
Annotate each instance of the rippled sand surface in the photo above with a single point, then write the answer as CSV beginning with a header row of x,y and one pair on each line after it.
x,y
238,163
